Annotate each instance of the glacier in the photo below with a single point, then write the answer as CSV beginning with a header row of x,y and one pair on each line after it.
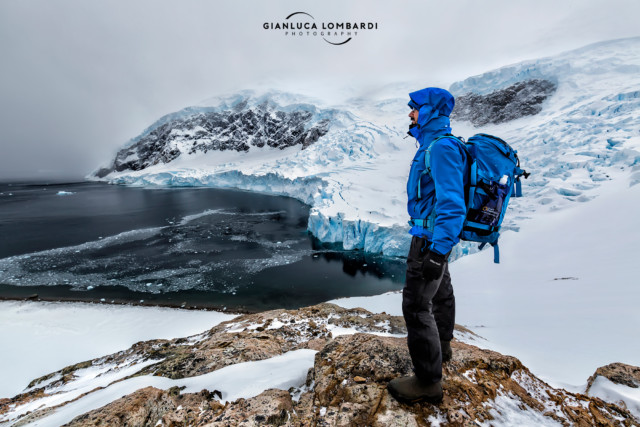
x,y
354,175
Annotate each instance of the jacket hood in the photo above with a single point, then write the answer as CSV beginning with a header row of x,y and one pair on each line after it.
x,y
431,102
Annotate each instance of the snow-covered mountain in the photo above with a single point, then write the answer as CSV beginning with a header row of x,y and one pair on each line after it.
x,y
572,117
244,122
312,170
585,133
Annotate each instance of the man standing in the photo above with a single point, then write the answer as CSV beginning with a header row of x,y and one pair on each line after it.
x,y
437,208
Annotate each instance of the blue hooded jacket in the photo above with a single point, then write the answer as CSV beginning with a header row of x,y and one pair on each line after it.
x,y
443,189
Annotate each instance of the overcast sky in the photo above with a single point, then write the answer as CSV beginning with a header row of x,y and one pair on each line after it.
x,y
79,78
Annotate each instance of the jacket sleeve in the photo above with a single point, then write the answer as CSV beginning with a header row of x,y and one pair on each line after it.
x,y
448,164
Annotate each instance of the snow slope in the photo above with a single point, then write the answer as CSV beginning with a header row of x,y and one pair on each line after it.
x,y
354,176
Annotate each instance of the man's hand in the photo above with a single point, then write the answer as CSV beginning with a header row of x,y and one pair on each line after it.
x,y
433,265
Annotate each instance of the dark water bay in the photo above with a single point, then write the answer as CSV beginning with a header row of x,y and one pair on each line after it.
x,y
195,247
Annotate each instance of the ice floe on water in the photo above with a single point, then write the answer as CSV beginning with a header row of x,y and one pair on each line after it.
x,y
204,251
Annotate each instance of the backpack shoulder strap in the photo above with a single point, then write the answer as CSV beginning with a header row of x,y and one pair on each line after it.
x,y
427,154
429,222
427,160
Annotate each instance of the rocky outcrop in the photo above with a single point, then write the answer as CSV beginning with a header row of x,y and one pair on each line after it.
x,y
148,405
250,337
516,101
236,129
477,384
618,373
617,383
345,387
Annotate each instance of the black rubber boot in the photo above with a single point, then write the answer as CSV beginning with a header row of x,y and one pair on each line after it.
x,y
412,390
445,346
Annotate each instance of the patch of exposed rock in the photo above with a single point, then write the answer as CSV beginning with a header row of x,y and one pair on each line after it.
x,y
148,405
618,373
475,382
516,101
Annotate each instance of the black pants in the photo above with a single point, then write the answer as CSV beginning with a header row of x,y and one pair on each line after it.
x,y
429,311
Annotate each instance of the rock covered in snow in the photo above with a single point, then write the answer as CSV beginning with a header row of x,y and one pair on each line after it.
x,y
480,386
618,383
357,354
518,100
618,373
145,406
246,338
237,127
347,387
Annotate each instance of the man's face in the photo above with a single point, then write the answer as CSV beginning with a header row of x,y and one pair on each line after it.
x,y
413,115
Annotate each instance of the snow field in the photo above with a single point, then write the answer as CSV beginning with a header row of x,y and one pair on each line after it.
x,y
42,337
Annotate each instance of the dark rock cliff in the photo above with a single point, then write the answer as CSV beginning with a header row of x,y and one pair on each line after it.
x,y
516,101
236,129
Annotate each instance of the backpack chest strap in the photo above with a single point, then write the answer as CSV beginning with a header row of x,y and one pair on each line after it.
x,y
427,223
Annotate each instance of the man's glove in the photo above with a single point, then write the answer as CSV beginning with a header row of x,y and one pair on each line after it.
x,y
433,265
